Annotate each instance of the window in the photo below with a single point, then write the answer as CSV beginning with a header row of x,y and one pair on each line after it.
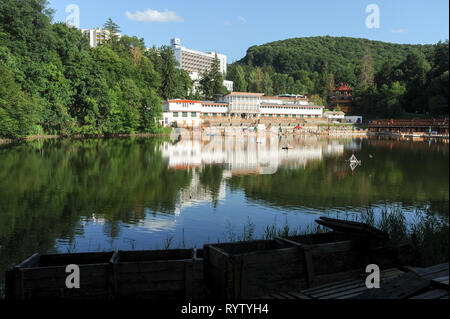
x,y
224,114
175,114
270,115
278,115
286,115
184,114
214,115
294,116
194,114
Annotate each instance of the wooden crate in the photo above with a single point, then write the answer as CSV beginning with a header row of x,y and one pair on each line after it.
x,y
254,268
159,274
44,277
336,256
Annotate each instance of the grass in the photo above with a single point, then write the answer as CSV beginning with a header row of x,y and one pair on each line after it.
x,y
428,235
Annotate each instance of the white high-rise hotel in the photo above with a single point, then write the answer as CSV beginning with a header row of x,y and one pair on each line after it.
x,y
196,62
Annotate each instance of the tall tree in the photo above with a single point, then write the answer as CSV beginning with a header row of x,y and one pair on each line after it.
x,y
111,36
267,84
216,76
366,73
168,73
240,84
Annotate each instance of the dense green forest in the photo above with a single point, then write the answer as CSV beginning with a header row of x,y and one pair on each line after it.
x,y
388,79
52,83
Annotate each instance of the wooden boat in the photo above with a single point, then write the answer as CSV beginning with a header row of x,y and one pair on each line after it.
x,y
168,274
221,271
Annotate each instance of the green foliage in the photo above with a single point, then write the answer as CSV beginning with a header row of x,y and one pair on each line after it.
x,y
53,83
389,80
211,82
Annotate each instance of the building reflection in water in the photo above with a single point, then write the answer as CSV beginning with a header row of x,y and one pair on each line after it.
x,y
242,155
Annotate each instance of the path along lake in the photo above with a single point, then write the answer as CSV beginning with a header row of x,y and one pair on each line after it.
x,y
90,195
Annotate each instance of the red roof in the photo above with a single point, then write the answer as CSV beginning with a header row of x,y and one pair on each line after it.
x,y
343,87
184,101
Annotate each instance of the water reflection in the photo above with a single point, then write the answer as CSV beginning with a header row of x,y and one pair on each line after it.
x,y
239,155
97,194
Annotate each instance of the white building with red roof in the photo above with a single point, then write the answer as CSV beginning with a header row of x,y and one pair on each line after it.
x,y
238,105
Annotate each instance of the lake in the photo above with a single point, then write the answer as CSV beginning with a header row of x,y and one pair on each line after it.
x,y
147,193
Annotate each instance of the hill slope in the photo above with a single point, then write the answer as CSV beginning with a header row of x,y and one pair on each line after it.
x,y
311,53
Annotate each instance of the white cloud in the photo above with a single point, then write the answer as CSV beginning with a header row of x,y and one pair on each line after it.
x,y
399,31
242,19
154,16
227,23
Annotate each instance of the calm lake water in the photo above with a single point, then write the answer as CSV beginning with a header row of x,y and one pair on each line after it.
x,y
146,193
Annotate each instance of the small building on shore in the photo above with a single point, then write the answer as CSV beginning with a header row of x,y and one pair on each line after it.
x,y
334,116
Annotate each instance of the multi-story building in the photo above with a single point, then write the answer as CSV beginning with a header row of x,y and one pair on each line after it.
x,y
342,99
196,62
97,36
239,106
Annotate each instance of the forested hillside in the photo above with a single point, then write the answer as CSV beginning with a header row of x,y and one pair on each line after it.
x,y
339,53
394,80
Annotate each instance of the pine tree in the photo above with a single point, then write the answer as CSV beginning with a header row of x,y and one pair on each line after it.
x,y
240,84
216,76
168,73
111,36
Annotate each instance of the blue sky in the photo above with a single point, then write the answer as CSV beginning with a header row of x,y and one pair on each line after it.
x,y
231,26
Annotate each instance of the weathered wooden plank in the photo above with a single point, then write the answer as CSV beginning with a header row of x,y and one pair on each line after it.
x,y
441,282
78,259
31,261
341,294
336,290
277,296
155,255
320,280
286,295
299,295
320,238
351,226
433,269
331,284
401,287
433,294
151,266
309,265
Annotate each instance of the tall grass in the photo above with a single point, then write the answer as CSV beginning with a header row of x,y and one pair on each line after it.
x,y
428,235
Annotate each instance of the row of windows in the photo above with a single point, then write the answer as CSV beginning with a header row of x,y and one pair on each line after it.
x,y
287,115
185,114
215,114
283,107
194,114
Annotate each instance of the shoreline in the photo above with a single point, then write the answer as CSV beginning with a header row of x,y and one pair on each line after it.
x,y
217,131
79,136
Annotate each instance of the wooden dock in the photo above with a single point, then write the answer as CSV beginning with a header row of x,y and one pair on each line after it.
x,y
396,283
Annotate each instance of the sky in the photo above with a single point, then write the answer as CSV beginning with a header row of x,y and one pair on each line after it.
x,y
230,27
